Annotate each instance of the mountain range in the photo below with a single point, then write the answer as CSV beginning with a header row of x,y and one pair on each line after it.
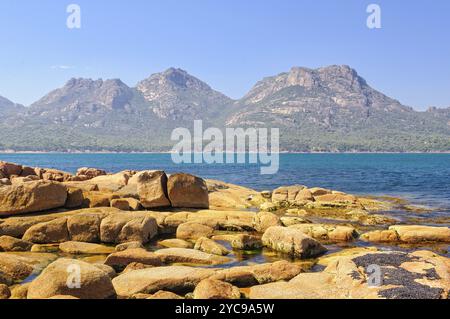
x,y
326,109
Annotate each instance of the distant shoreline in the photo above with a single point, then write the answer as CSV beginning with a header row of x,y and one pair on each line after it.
x,y
167,152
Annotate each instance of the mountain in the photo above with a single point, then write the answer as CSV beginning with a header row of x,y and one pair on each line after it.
x,y
9,108
325,109
176,95
334,109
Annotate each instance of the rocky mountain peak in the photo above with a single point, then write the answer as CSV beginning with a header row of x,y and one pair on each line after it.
x,y
331,86
82,93
170,81
176,94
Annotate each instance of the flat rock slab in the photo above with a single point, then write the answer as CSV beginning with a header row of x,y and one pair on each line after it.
x,y
190,256
81,248
178,279
417,275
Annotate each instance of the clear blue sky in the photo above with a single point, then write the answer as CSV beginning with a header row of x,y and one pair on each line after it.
x,y
230,44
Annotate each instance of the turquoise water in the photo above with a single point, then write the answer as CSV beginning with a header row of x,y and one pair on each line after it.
x,y
421,178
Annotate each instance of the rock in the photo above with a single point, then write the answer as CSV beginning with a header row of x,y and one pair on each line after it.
x,y
54,231
128,204
129,245
125,227
365,218
210,246
49,174
81,248
317,191
415,234
241,241
268,207
135,266
74,198
190,256
98,199
246,242
380,236
8,243
418,275
297,212
21,180
229,196
17,226
287,194
289,221
187,191
4,182
224,220
327,259
121,259
336,199
90,172
245,276
216,289
176,243
266,194
14,268
113,182
164,295
5,293
85,227
45,248
327,232
152,189
95,283
64,297
178,279
263,220
193,231
84,186
19,291
409,234
31,197
292,241
9,169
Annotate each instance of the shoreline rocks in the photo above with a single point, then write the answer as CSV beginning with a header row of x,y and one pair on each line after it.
x,y
292,241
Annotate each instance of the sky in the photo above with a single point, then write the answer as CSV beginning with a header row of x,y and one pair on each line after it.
x,y
229,44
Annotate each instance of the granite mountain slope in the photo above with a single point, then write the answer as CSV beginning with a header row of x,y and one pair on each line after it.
x,y
326,109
